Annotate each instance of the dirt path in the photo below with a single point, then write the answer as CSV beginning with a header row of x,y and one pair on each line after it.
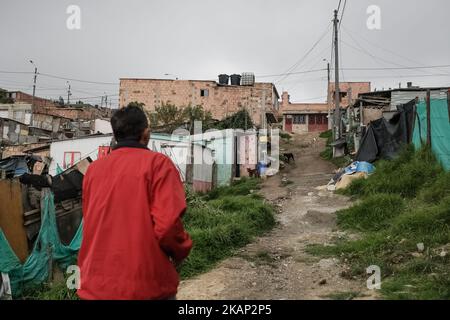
x,y
276,266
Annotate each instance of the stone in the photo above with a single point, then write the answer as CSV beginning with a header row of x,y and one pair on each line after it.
x,y
420,247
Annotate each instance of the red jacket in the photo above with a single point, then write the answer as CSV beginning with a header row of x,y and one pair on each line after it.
x,y
133,200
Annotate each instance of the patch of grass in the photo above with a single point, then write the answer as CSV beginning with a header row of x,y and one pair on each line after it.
x,y
285,136
405,175
350,295
437,191
285,183
406,202
326,134
372,214
327,154
221,222
243,187
341,162
49,291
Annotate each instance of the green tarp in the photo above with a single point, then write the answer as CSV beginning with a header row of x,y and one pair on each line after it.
x,y
440,129
47,249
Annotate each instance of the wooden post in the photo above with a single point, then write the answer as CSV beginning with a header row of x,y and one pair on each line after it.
x,y
428,117
448,104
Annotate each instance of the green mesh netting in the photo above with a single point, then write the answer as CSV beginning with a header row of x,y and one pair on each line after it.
x,y
47,248
440,129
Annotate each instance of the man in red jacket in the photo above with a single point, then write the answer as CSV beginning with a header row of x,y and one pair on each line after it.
x,y
133,200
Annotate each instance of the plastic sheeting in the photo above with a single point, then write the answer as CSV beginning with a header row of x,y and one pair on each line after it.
x,y
440,129
47,249
384,138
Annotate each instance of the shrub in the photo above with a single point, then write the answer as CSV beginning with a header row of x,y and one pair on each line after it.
x,y
372,214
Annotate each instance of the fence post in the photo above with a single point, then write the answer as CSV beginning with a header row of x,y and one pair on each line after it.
x,y
428,117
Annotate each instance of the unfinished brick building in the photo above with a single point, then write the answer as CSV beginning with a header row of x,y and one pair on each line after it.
x,y
220,99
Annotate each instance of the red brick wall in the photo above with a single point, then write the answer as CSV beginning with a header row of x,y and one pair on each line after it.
x,y
221,100
22,97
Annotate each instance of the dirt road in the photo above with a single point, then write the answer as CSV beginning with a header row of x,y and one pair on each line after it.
x,y
276,266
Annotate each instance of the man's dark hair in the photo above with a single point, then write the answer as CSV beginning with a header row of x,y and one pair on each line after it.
x,y
129,123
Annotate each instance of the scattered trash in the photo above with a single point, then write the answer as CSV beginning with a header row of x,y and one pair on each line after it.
x,y
347,179
420,247
360,166
344,177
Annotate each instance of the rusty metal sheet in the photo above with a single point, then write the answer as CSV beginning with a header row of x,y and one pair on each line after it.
x,y
11,217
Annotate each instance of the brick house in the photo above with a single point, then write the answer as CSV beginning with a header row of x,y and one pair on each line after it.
x,y
317,117
356,89
303,117
221,100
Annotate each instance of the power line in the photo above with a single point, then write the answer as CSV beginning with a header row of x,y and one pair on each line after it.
x,y
400,68
342,14
377,46
290,73
295,65
77,80
339,5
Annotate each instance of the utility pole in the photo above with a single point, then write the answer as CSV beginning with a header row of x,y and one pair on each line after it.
x,y
337,111
68,93
428,98
328,94
350,109
34,91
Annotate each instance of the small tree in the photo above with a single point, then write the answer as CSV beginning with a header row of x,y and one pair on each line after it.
x,y
169,114
238,120
196,113
4,98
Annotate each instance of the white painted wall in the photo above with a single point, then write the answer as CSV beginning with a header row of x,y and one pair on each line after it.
x,y
87,147
102,126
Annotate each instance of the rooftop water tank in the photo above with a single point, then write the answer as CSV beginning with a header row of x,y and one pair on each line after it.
x,y
235,79
223,79
248,79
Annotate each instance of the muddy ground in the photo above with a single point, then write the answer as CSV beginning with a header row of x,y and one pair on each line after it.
x,y
276,266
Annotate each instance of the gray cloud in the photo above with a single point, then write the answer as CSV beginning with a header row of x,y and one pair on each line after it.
x,y
198,39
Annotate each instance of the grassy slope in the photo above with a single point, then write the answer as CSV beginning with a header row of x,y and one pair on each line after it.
x,y
218,222
327,154
406,202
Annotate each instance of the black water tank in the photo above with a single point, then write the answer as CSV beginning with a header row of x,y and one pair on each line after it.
x,y
223,78
235,80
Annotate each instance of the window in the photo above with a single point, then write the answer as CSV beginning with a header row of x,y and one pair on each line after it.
x,y
299,119
70,158
342,95
319,119
312,119
204,92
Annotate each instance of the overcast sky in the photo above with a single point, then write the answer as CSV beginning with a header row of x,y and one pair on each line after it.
x,y
199,39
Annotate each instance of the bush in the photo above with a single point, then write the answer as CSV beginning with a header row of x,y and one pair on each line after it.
x,y
223,220
243,187
406,175
286,136
373,213
406,202
326,135
437,191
